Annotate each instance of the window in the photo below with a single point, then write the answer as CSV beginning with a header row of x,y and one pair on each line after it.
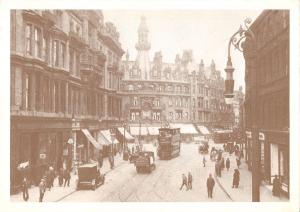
x,y
26,94
132,116
63,54
44,49
71,61
130,87
56,53
135,101
170,102
171,115
37,42
28,39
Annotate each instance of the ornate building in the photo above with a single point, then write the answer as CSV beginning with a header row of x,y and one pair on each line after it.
x,y
267,86
181,92
65,84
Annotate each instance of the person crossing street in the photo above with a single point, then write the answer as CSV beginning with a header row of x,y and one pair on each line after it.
x,y
42,189
190,181
227,164
184,182
204,161
210,183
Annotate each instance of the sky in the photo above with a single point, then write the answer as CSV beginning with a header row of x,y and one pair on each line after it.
x,y
206,32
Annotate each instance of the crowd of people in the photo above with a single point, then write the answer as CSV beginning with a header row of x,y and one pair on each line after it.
x,y
47,181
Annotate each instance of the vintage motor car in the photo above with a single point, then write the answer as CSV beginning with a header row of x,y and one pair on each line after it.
x,y
145,162
89,175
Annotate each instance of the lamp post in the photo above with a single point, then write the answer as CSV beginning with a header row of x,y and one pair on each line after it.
x,y
244,41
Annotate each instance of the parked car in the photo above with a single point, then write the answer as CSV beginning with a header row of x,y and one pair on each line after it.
x,y
89,175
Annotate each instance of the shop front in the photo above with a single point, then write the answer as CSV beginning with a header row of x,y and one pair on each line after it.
x,y
278,142
37,144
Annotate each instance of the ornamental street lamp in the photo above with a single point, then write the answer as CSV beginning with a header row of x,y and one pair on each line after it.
x,y
244,41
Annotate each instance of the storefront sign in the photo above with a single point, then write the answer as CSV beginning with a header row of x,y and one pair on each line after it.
x,y
42,156
248,134
261,136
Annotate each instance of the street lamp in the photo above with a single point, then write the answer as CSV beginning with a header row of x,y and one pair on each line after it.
x,y
248,49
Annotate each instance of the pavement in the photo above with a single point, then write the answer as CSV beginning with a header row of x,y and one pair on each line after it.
x,y
244,192
58,193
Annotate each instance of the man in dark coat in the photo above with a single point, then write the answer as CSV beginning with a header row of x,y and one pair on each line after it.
x,y
184,182
190,180
25,189
236,178
48,179
67,176
227,164
60,177
210,183
42,189
222,163
276,187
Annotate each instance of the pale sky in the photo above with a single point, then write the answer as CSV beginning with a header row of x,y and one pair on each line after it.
x,y
206,32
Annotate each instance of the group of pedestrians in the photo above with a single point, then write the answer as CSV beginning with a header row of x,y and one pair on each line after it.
x,y
187,181
47,182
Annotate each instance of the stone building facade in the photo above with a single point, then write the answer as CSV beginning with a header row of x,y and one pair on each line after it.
x,y
267,70
180,92
65,86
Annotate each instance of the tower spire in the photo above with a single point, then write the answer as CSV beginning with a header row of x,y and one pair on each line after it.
x,y
143,46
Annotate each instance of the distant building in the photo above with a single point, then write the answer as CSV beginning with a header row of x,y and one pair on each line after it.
x,y
271,60
181,92
65,83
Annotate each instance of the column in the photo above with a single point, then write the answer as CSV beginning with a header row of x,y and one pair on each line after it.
x,y
74,145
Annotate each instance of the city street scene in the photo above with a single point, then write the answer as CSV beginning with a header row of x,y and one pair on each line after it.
x,y
149,106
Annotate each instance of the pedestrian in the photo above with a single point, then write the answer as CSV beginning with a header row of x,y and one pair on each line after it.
x,y
236,178
227,164
204,161
210,183
190,180
242,154
184,182
60,177
217,168
238,162
42,189
132,150
222,163
276,187
67,176
48,179
25,189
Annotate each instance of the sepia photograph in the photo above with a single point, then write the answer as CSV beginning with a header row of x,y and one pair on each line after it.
x,y
149,105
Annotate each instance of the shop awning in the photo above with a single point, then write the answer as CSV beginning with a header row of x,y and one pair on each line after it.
x,y
185,128
106,135
136,131
102,140
153,130
127,134
91,139
203,130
